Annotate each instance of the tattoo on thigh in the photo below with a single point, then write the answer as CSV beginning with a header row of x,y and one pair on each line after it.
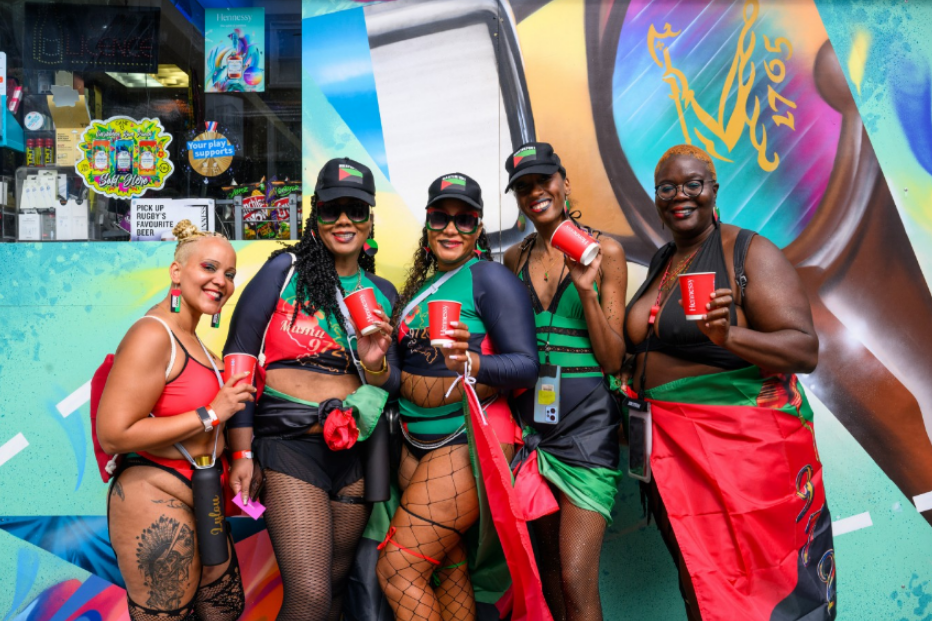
x,y
164,555
118,490
172,503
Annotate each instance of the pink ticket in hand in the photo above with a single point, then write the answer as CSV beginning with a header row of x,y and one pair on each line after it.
x,y
254,509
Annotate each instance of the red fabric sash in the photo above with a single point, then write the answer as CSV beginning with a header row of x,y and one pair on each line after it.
x,y
527,596
743,489
532,490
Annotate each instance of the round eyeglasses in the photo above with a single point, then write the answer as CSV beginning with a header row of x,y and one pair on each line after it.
x,y
668,191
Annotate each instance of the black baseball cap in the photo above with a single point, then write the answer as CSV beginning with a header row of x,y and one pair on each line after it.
x,y
532,158
455,185
345,177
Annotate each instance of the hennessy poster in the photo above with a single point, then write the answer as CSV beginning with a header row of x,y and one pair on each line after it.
x,y
234,40
107,38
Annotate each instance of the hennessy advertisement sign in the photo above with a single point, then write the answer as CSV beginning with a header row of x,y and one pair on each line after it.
x,y
73,38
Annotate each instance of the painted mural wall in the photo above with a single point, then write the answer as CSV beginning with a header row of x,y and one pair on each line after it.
x,y
819,116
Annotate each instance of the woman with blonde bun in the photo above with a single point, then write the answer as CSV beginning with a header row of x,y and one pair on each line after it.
x,y
164,394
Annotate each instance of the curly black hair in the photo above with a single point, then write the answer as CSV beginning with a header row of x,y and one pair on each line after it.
x,y
317,274
424,265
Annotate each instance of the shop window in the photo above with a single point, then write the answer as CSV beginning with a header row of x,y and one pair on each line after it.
x,y
117,121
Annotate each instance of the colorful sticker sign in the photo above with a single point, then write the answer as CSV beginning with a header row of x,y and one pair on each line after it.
x,y
235,62
124,157
210,153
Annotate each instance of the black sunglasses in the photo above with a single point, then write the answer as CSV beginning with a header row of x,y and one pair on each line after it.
x,y
356,211
465,222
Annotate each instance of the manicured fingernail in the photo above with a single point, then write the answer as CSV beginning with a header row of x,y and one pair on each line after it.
x,y
454,357
454,323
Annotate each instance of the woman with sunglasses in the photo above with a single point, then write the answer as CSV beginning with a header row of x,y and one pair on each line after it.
x,y
290,318
423,565
579,314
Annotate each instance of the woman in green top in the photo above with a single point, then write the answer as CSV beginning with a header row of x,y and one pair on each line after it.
x,y
579,314
423,567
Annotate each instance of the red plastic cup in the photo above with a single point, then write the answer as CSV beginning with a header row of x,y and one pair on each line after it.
x,y
440,313
233,364
696,289
361,305
574,243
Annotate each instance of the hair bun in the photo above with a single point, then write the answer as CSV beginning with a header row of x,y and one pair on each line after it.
x,y
185,229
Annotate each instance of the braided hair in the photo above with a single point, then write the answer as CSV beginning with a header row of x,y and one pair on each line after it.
x,y
186,232
317,274
424,265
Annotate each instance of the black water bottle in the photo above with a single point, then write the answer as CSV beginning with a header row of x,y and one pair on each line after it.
x,y
376,463
208,513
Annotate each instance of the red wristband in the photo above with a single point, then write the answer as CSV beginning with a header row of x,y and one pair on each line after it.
x,y
242,454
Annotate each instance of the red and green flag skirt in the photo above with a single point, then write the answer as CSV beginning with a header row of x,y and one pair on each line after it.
x,y
736,464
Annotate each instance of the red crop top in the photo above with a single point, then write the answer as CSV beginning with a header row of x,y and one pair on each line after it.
x,y
195,387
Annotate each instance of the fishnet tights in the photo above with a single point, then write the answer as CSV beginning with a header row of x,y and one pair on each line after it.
x,y
140,613
222,599
439,503
569,544
430,392
314,539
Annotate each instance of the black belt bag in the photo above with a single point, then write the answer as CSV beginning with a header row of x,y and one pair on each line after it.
x,y
278,418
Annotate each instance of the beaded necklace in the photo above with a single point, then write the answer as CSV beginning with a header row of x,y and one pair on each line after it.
x,y
665,287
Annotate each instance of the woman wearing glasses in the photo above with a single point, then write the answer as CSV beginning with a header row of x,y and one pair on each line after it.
x,y
423,565
290,318
579,313
736,489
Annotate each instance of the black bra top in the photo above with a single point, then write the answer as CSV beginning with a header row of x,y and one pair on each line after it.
x,y
680,337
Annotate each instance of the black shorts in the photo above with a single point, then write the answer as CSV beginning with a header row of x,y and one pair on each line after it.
x,y
303,456
309,459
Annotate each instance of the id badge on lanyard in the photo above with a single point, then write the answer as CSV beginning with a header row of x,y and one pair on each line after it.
x,y
547,395
639,439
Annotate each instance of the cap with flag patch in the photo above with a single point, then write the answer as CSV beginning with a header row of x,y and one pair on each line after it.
x,y
532,158
345,177
455,185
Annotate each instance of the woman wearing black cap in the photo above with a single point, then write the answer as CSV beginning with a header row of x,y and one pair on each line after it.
x,y
290,318
579,314
422,567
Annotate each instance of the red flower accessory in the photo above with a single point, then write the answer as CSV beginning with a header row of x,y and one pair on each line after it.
x,y
340,431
